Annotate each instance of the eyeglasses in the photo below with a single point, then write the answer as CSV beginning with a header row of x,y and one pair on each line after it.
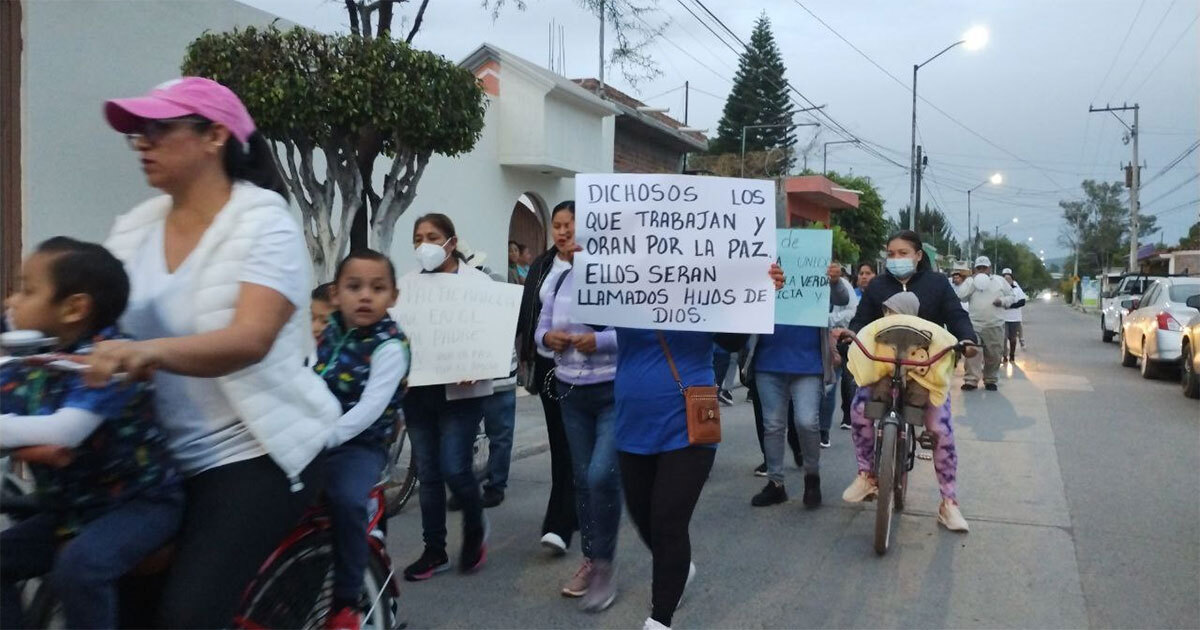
x,y
155,130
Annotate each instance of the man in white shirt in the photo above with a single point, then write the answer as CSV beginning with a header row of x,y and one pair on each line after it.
x,y
958,275
1013,317
988,296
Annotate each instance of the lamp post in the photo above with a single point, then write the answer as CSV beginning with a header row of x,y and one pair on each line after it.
x,y
788,125
825,159
996,179
974,39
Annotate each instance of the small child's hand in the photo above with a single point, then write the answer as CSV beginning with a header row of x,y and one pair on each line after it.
x,y
47,454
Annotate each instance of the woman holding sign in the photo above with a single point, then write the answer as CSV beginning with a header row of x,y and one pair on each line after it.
x,y
662,473
908,270
442,420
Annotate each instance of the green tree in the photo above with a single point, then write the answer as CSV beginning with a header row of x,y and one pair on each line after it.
x,y
934,228
1097,226
759,97
865,226
351,98
1028,269
1191,240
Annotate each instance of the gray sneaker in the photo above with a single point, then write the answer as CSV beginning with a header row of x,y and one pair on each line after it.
x,y
603,588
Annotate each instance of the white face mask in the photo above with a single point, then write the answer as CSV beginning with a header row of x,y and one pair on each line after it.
x,y
431,256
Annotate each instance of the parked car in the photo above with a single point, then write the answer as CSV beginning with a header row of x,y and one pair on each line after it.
x,y
1129,286
1153,329
1190,365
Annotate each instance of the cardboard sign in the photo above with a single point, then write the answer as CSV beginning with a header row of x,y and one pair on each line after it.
x,y
675,252
804,256
460,329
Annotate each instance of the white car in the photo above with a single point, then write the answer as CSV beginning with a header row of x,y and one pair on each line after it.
x,y
1112,313
1153,329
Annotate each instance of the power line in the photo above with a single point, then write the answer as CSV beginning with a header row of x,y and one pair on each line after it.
x,y
1149,41
1177,187
1168,54
1173,163
1178,207
1120,49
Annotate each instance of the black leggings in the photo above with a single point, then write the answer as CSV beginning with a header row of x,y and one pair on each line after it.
x,y
661,492
235,516
561,516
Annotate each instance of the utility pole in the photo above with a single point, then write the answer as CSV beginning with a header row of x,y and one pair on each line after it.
x,y
913,187
1135,179
912,215
685,103
601,47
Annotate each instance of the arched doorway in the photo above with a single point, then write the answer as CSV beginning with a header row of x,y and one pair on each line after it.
x,y
527,225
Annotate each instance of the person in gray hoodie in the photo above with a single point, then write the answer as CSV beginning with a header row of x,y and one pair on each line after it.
x,y
988,296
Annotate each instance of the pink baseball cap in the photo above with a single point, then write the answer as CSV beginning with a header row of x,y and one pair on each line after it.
x,y
187,96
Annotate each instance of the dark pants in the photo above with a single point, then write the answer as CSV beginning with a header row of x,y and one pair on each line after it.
x,y
849,388
793,440
720,365
561,517
443,437
84,571
588,415
236,515
1012,334
351,470
499,421
661,492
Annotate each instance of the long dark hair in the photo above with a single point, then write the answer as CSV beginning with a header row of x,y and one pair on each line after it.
x,y
444,225
568,206
253,162
914,239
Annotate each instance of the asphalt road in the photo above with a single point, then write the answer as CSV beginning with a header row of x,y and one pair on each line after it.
x,y
1079,480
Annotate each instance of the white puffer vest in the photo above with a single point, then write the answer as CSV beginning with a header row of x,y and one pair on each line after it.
x,y
284,405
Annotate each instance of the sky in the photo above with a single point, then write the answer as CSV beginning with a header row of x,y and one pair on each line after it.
x,y
1018,106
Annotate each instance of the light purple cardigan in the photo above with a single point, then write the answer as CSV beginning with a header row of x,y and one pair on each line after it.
x,y
573,366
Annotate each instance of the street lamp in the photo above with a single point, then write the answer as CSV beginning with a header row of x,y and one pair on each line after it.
x,y
788,125
975,38
825,160
996,179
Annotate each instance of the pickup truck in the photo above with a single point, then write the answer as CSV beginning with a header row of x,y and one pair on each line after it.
x,y
1130,286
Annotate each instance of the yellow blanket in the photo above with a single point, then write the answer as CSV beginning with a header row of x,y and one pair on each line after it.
x,y
936,378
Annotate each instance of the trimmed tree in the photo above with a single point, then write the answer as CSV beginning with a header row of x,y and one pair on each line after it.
x,y
759,97
350,98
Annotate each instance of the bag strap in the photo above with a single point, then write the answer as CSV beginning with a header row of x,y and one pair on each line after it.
x,y
558,285
662,341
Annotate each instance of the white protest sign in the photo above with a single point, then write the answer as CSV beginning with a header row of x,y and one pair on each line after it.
x,y
675,252
460,328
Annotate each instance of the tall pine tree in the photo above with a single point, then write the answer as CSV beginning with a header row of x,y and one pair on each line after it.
x,y
759,97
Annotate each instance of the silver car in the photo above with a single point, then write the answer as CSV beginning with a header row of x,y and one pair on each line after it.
x,y
1153,329
1190,367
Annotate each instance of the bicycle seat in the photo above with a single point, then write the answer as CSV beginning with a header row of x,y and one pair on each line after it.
x,y
903,338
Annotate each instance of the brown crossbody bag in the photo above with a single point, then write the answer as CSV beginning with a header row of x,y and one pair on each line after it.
x,y
700,403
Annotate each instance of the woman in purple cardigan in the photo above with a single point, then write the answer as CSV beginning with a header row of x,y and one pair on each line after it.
x,y
585,364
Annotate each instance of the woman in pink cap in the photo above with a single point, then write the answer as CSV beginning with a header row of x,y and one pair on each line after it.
x,y
220,280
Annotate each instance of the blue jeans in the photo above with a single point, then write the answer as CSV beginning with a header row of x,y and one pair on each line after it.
x,y
721,361
499,421
829,400
443,436
84,572
588,416
351,470
804,391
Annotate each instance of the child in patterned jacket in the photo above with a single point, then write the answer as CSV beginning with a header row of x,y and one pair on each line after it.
x,y
363,357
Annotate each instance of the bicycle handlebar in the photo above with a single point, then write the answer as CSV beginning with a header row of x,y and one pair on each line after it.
x,y
54,361
906,362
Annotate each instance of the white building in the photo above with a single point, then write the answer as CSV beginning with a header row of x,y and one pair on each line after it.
x,y
64,172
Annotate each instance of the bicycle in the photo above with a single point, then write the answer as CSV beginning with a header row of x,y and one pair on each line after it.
x,y
400,475
293,587
896,441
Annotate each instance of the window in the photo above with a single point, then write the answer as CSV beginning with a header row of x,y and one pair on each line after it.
x,y
1181,292
1151,295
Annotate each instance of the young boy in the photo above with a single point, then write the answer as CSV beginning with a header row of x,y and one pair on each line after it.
x,y
363,357
321,307
112,493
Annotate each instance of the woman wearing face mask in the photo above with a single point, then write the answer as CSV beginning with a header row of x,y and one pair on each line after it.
x,y
909,270
442,421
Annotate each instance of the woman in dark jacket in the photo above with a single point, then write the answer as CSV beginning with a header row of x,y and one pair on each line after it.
x,y
561,520
909,270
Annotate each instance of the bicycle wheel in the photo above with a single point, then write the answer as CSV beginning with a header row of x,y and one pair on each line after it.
x,y
380,593
44,609
400,475
902,466
887,478
295,590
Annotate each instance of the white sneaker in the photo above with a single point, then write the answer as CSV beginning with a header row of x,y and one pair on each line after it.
x,y
951,517
651,624
863,488
555,543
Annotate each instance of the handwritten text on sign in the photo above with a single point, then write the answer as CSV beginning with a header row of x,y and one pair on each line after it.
x,y
675,252
460,329
804,298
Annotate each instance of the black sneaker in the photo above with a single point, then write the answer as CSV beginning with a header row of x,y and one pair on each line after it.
x,y
474,550
761,471
991,387
846,426
968,387
726,397
492,497
772,494
812,491
452,504
824,439
432,562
